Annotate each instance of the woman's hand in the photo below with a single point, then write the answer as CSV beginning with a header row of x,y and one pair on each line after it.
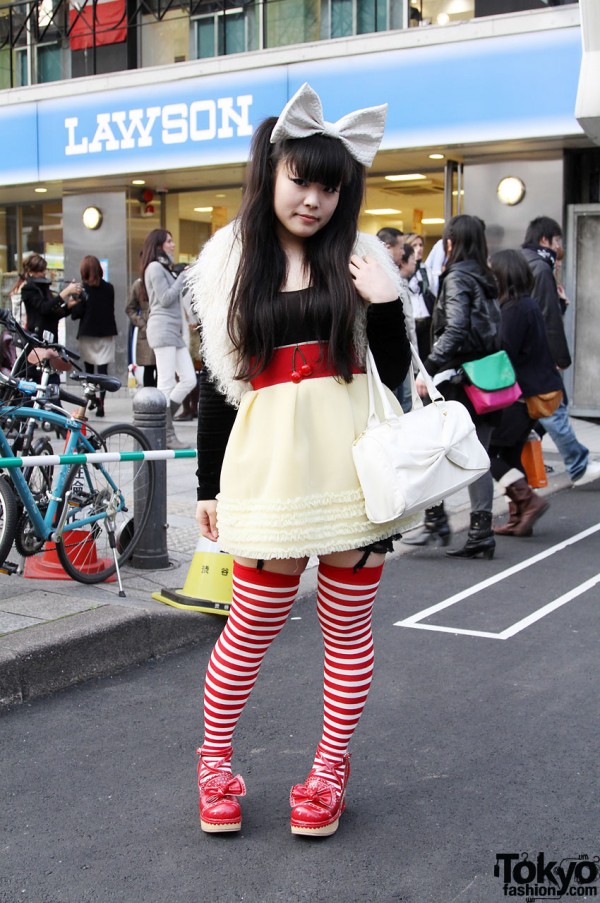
x,y
73,288
421,387
372,282
206,516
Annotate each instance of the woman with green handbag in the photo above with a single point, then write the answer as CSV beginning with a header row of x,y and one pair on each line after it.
x,y
466,326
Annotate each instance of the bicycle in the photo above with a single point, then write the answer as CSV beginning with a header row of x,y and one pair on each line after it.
x,y
94,512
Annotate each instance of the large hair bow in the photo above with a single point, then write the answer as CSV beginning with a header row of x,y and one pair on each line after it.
x,y
360,132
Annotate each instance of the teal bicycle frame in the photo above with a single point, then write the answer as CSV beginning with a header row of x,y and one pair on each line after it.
x,y
76,443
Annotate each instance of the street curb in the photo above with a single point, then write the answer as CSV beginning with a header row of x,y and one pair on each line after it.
x,y
106,640
96,643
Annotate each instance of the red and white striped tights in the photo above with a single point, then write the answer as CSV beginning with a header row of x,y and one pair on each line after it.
x,y
262,601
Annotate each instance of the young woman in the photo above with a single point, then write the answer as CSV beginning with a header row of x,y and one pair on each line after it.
x,y
164,331
466,326
525,341
43,308
422,297
287,297
98,328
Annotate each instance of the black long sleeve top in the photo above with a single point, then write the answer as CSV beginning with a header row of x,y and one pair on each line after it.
x,y
386,334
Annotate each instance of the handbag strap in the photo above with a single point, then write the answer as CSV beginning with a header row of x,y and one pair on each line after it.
x,y
374,383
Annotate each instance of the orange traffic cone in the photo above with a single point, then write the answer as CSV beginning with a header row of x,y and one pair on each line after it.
x,y
47,566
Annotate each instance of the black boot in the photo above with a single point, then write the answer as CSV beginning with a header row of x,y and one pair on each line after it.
x,y
480,539
436,529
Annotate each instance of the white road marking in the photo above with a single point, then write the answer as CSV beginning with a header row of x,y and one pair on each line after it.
x,y
413,620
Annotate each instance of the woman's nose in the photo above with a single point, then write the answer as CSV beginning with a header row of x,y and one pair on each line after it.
x,y
311,198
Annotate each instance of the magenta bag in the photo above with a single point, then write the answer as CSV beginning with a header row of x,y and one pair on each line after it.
x,y
484,402
491,383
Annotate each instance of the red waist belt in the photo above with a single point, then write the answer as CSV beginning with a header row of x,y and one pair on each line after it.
x,y
295,363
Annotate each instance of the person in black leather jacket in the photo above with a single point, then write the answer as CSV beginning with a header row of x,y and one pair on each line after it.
x,y
466,326
44,308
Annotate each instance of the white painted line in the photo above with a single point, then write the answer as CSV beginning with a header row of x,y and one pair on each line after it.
x,y
483,633
519,625
551,606
503,575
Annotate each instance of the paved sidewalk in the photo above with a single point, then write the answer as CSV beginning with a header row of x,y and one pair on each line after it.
x,y
55,633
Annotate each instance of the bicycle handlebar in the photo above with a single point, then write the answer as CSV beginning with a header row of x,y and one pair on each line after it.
x,y
31,339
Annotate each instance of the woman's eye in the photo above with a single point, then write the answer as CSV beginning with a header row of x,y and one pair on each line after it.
x,y
329,189
301,182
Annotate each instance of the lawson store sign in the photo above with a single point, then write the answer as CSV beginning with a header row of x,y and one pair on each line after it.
x,y
476,91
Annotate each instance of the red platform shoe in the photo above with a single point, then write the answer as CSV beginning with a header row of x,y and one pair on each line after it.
x,y
218,788
318,803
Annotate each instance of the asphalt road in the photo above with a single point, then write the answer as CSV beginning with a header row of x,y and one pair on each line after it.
x,y
480,740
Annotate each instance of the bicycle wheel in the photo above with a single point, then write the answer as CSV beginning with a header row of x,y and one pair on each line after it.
x,y
8,518
85,551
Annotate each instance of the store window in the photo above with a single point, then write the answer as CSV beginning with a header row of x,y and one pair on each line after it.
x,y
25,229
226,27
350,17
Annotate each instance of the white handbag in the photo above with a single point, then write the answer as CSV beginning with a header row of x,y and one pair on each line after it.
x,y
408,462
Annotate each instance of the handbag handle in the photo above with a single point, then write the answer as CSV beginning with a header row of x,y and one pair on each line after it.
x,y
374,382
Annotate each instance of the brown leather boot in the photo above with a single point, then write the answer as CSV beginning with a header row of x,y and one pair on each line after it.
x,y
531,506
514,519
525,507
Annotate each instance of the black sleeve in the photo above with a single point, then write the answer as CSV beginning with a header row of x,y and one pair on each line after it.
x,y
215,420
386,332
42,302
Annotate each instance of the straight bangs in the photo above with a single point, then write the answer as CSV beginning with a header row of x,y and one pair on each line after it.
x,y
318,159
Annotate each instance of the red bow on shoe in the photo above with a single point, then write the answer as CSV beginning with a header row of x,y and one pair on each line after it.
x,y
319,792
223,785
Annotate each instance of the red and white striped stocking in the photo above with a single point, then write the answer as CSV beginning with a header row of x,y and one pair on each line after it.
x,y
344,606
261,604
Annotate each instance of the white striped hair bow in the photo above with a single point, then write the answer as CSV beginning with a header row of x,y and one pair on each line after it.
x,y
360,132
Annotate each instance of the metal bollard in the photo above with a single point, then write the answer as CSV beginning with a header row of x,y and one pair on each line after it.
x,y
150,415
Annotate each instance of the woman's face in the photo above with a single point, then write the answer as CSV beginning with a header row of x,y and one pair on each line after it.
x,y
302,208
418,246
169,246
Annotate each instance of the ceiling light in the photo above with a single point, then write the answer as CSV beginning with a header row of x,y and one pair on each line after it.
x,y
407,177
433,221
138,181
221,195
92,218
455,192
436,156
510,191
40,190
383,211
203,209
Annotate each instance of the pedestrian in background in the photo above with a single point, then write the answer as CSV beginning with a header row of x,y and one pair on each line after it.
x,y
44,309
163,289
288,297
525,341
466,326
421,296
95,309
543,241
137,310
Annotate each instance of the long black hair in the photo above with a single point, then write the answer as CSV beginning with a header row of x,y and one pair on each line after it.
x,y
514,278
152,250
467,234
263,265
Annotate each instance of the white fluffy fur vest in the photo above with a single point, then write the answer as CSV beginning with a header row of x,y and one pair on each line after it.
x,y
211,280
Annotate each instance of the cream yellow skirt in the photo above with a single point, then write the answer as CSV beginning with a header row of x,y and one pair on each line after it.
x,y
288,483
